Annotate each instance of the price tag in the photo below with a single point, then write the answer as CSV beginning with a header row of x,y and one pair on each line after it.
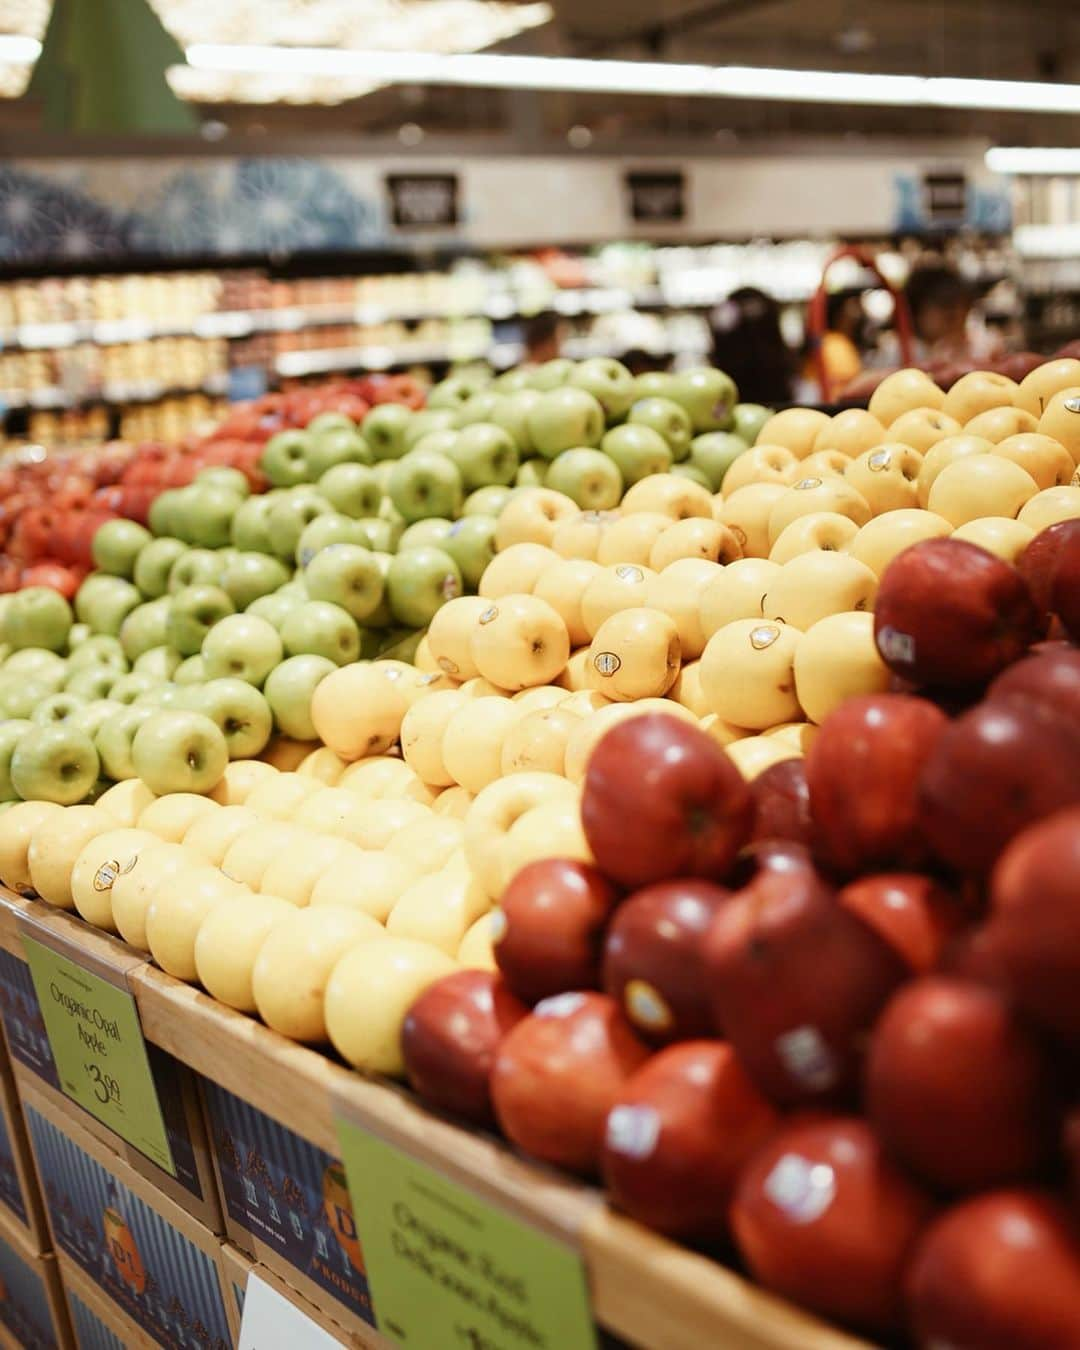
x,y
448,1269
97,1042
271,1322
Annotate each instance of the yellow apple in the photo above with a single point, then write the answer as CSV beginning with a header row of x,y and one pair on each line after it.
x,y
357,711
762,464
449,633
515,571
540,697
622,586
1044,509
375,823
519,642
323,765
998,424
537,742
496,808
878,542
701,540
821,529
133,890
852,432
552,830
668,495
331,810
630,539
125,802
453,801
478,687
981,485
943,454
1047,460
820,464
293,874
531,516
887,476
422,731
473,741
575,677
723,733
279,798
585,701
562,585
677,592
686,690
977,393
579,536
227,946
795,428
1061,420
209,837
997,534
810,495
176,913
295,960
369,993
413,683
439,909
54,846
365,881
477,950
752,755
814,585
170,817
736,593
101,860
255,848
285,754
429,843
1039,387
635,654
386,776
922,428
240,779
422,657
747,512
903,391
747,675
799,734
584,738
837,659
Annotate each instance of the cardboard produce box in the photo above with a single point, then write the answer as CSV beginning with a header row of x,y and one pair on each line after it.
x,y
20,1198
97,1324
235,1266
33,1315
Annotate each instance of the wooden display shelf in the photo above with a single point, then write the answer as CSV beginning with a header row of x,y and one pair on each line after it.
x,y
645,1289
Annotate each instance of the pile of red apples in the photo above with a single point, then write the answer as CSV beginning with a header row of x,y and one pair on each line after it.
x,y
825,1025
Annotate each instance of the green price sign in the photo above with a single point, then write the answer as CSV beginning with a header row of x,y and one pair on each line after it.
x,y
97,1043
447,1269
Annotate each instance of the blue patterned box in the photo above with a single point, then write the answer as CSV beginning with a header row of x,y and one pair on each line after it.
x,y
287,1204
31,1304
145,1254
91,1333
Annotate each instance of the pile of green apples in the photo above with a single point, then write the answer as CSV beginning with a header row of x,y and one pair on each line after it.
x,y
197,640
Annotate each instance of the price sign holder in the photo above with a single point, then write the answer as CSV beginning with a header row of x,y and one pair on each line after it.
x,y
95,1036
271,1322
450,1268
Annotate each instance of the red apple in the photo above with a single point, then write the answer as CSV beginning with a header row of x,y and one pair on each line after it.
x,y
553,917
1033,933
559,1072
863,771
782,803
796,981
679,1132
449,1039
1038,562
950,613
1050,677
913,913
661,799
654,959
997,1272
959,1090
1065,590
1002,766
822,1217
1072,1156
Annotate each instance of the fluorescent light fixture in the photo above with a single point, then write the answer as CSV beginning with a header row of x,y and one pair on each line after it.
x,y
668,79
19,51
1024,159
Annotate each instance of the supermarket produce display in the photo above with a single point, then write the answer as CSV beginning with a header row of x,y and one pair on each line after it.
x,y
686,792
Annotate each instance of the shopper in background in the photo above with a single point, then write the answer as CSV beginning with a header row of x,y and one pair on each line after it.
x,y
748,343
948,327
542,338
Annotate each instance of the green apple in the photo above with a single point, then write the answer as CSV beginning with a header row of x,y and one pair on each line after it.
x,y
336,446
485,454
459,387
38,617
638,452
470,541
423,532
243,646
161,696
113,739
295,588
668,418
397,522
708,395
422,484
117,544
20,694
275,608
107,609
177,751
588,477
477,409
289,688
714,453
38,662
486,501
441,442
207,512
289,517
381,617
512,414
382,471
381,535
79,633
551,374
56,708
533,473
564,418
195,567
352,489
11,732
429,419
510,381
319,628
159,663
251,524
163,513
400,644
94,586
247,576
91,682
347,575
128,687
154,563
419,583
57,763
192,613
100,650
144,628
331,420
691,471
192,670
384,430
284,458
609,382
224,476
749,418
91,716
323,531
241,713
653,384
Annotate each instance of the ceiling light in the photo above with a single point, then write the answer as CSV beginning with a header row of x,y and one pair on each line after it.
x,y
1024,159
20,51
